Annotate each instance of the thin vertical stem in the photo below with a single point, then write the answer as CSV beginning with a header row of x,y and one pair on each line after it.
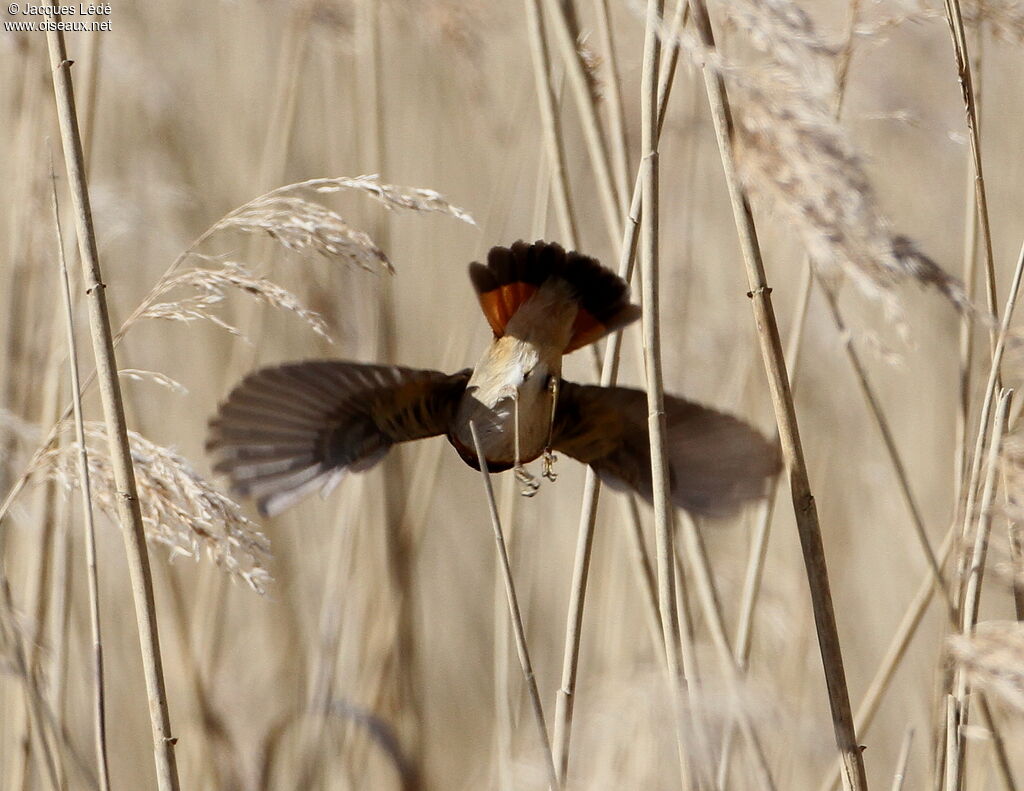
x,y
902,479
990,392
516,616
129,512
999,751
782,399
592,486
963,64
574,625
656,425
99,697
971,490
63,570
965,336
652,329
952,737
701,569
880,683
503,689
60,623
619,137
966,343
551,123
592,131
43,575
11,636
698,758
759,543
976,571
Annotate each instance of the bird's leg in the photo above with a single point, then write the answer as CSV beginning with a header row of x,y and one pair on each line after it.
x,y
523,475
548,464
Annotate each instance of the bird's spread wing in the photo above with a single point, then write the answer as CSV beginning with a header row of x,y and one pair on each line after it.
x,y
289,430
716,462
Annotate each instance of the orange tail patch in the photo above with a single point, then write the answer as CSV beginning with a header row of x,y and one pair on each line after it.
x,y
501,304
514,274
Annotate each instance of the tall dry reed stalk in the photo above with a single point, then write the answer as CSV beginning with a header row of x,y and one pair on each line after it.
x,y
656,425
588,514
854,778
92,571
129,512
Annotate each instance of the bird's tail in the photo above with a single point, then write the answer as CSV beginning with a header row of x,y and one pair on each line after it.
x,y
514,274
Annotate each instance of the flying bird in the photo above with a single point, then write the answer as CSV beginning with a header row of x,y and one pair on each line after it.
x,y
289,430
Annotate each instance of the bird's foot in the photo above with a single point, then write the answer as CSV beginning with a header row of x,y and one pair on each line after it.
x,y
529,481
548,465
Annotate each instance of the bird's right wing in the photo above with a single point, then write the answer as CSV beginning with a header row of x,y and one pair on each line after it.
x,y
716,462
291,429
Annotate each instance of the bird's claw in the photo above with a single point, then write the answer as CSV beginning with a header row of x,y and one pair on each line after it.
x,y
529,481
548,465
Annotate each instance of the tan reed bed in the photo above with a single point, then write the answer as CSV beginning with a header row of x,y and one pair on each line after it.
x,y
377,657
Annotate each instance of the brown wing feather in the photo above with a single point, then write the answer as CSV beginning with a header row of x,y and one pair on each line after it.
x,y
288,430
716,462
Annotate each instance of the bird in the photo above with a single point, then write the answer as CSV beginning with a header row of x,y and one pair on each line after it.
x,y
289,430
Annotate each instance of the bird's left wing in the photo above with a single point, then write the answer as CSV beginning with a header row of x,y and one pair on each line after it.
x,y
716,462
288,430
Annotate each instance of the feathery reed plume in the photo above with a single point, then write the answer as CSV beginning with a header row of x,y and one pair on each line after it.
x,y
390,195
211,286
180,508
304,226
139,375
1005,18
785,32
993,659
592,64
791,152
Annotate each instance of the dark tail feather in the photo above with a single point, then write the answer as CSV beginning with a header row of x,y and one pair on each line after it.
x,y
514,274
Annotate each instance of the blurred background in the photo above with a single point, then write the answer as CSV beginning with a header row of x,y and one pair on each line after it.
x,y
385,601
